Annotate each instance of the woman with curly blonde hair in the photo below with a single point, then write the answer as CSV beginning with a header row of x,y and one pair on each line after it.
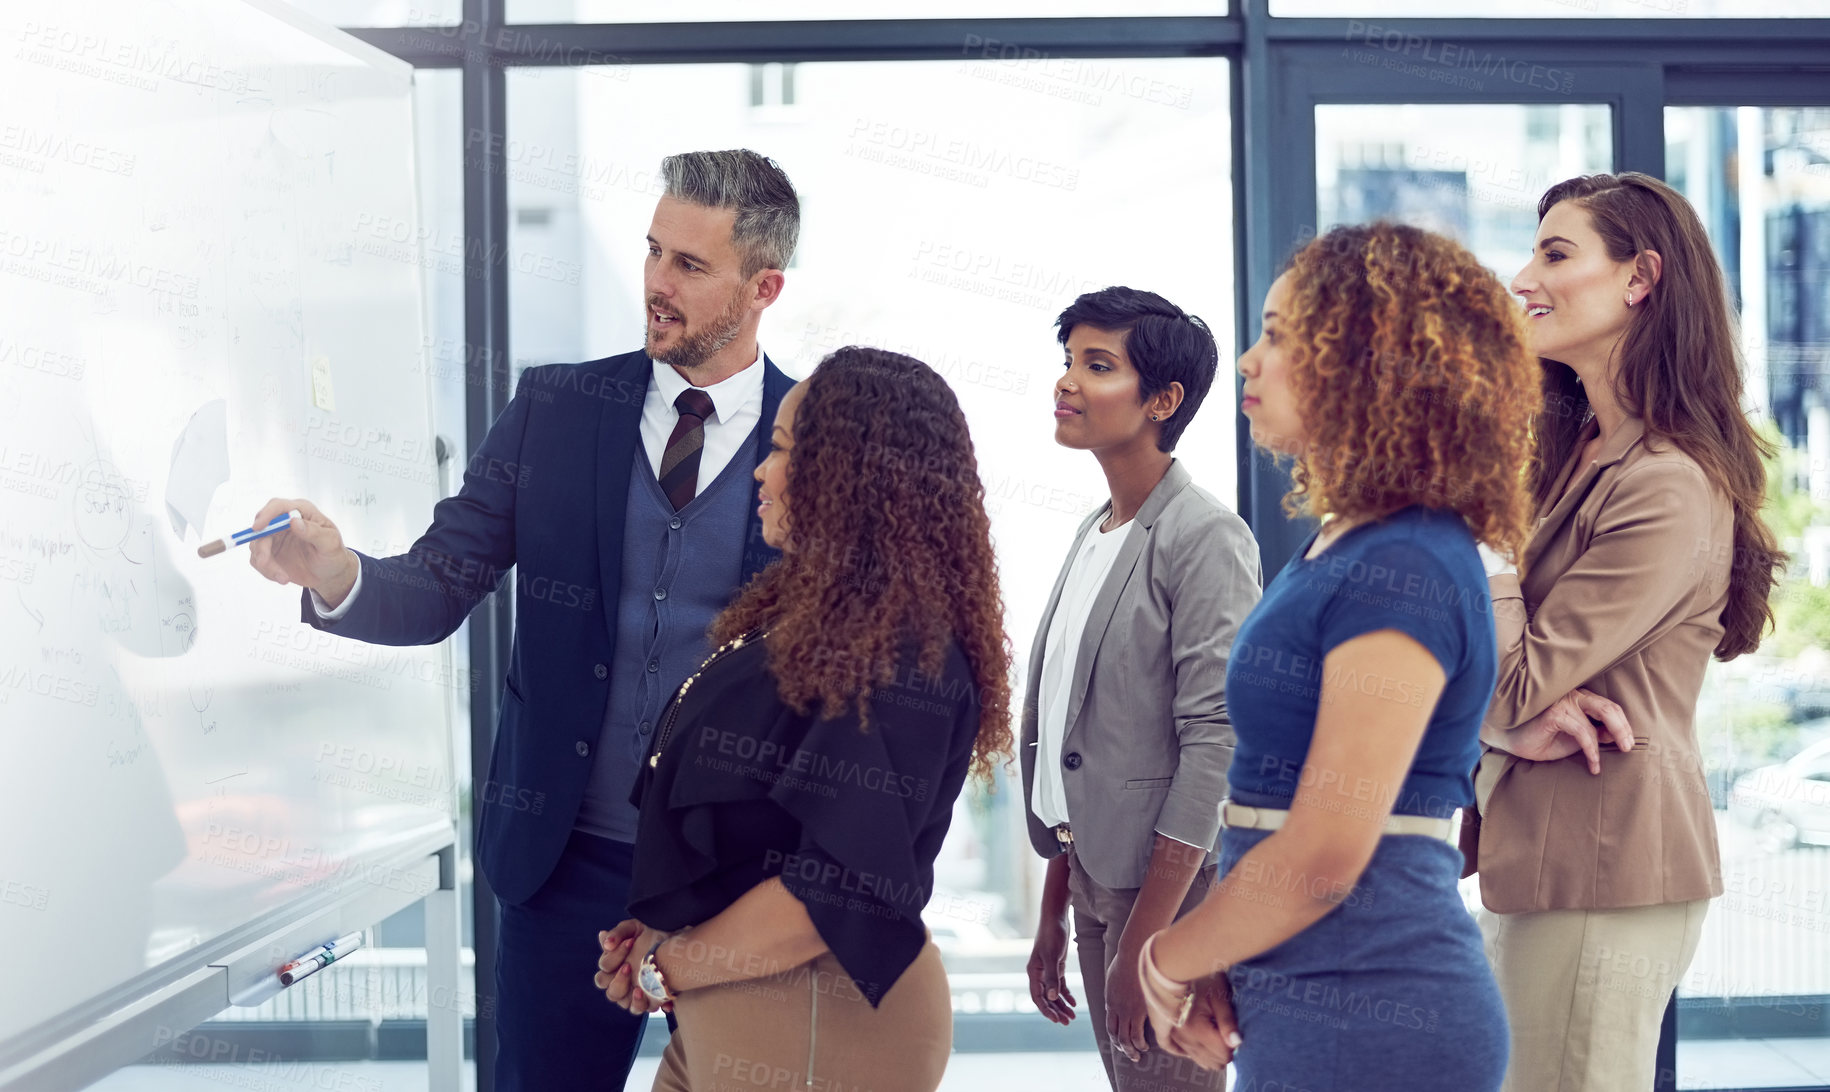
x,y
802,781
1393,370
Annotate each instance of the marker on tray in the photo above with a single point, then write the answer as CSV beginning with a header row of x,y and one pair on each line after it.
x,y
242,538
319,958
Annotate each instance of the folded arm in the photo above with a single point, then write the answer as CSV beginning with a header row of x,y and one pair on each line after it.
x,y
1629,587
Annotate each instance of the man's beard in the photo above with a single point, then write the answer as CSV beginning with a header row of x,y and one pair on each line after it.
x,y
696,347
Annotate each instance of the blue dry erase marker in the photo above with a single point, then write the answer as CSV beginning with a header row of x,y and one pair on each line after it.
x,y
242,538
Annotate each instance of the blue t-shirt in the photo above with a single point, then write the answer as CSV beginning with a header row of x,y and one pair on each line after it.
x,y
1416,571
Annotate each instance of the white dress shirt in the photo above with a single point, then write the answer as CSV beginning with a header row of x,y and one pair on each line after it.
x,y
736,407
1085,577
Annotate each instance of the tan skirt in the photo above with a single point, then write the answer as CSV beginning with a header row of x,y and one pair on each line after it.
x,y
810,1029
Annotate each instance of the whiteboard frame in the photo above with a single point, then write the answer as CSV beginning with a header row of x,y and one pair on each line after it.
x,y
88,1042
290,14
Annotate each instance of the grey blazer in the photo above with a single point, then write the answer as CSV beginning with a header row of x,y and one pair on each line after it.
x,y
1148,741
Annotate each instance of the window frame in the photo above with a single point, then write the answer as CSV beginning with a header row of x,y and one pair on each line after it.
x,y
1280,69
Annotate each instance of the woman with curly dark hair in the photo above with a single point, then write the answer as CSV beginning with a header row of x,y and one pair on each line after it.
x,y
1597,851
1393,371
802,781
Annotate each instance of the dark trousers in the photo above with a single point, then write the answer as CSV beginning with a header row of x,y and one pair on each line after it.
x,y
555,1030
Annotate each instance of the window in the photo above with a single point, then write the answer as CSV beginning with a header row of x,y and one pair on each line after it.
x,y
771,85
1472,172
1750,1008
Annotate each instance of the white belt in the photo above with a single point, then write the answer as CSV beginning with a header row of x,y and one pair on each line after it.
x,y
1249,818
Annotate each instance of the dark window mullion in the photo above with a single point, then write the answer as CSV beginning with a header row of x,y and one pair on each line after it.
x,y
485,100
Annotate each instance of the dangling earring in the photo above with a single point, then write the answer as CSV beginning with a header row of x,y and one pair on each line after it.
x,y
1629,299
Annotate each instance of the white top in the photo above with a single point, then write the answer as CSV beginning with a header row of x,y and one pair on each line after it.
x,y
1496,564
1085,577
736,407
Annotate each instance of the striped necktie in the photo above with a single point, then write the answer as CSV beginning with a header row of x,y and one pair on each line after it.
x,y
680,463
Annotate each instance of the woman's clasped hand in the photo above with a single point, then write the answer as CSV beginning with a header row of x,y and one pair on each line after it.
x,y
623,949
1208,1034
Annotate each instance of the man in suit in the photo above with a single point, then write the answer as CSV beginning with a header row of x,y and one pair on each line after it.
x,y
622,491
1125,735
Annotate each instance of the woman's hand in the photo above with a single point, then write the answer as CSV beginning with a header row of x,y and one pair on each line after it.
x,y
1126,1010
1566,727
1193,1020
1163,996
623,950
1211,1034
1048,973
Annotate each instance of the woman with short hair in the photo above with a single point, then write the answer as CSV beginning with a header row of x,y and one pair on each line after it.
x,y
1124,725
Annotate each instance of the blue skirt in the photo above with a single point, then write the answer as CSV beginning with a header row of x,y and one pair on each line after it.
x,y
1390,991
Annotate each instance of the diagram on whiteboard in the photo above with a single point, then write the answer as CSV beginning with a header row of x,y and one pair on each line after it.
x,y
200,465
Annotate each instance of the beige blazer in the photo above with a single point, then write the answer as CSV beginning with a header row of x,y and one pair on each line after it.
x,y
1148,739
1622,592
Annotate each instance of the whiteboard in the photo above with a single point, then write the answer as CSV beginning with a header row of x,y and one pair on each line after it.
x,y
210,294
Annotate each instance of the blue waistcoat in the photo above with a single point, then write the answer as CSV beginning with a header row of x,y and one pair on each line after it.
x,y
679,570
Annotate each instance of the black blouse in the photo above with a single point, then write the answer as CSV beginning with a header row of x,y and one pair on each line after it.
x,y
850,818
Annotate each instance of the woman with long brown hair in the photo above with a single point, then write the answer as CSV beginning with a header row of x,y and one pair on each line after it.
x,y
1597,850
802,781
1393,371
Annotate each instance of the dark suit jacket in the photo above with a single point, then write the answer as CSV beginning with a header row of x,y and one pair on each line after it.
x,y
545,493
